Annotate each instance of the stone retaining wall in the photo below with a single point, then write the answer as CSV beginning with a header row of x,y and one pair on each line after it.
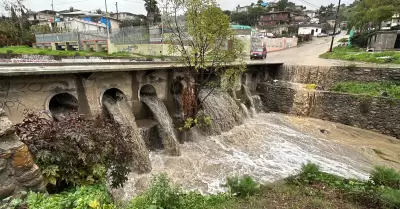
x,y
374,113
328,75
18,173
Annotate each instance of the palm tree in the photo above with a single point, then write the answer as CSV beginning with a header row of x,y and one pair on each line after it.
x,y
153,12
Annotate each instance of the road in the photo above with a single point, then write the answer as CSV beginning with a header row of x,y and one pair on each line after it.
x,y
307,54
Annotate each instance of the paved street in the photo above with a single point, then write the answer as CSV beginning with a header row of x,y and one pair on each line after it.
x,y
307,54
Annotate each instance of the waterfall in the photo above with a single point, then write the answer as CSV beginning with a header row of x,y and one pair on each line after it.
x,y
245,111
249,100
165,124
121,113
222,109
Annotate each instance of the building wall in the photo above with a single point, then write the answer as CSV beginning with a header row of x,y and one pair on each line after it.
x,y
374,113
276,44
383,40
274,19
82,25
22,93
308,30
326,76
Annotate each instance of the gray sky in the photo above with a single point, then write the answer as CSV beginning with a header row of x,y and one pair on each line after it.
x,y
136,6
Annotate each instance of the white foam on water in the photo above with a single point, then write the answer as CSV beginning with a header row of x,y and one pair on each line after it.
x,y
266,148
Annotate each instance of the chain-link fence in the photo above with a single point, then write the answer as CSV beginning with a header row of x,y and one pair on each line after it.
x,y
126,35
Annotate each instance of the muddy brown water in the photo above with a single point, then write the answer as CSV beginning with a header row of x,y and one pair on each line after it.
x,y
269,147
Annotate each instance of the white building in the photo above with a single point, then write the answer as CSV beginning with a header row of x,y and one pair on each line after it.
x,y
124,16
311,29
75,24
310,13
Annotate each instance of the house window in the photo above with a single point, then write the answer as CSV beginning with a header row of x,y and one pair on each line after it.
x,y
316,30
261,16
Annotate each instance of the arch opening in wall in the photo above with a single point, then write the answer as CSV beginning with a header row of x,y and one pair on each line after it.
x,y
63,104
114,94
148,90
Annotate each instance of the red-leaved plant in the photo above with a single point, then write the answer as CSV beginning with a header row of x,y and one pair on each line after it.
x,y
77,151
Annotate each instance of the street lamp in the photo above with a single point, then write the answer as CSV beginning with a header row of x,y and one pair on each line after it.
x,y
334,27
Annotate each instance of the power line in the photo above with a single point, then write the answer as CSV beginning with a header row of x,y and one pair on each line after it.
x,y
136,2
310,4
71,2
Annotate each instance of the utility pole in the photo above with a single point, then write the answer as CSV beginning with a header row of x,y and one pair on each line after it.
x,y
334,27
108,30
116,7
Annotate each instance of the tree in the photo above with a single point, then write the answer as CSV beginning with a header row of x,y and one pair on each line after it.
x,y
16,29
227,12
366,13
282,4
98,11
207,46
153,12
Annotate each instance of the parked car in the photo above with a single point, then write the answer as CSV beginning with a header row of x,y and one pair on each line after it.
x,y
322,35
258,53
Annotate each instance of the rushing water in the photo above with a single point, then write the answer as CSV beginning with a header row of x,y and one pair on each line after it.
x,y
267,148
224,111
121,113
165,124
245,110
249,100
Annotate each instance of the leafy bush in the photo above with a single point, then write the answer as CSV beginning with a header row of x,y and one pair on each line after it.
x,y
309,172
161,194
164,195
242,187
77,151
9,51
390,198
389,177
80,198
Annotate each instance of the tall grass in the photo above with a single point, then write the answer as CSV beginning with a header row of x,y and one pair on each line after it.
x,y
30,50
356,54
369,88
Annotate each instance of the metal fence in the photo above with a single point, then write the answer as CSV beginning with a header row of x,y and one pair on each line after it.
x,y
126,35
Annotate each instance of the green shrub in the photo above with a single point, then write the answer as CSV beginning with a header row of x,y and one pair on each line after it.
x,y
389,177
242,187
390,198
42,53
161,194
80,198
309,172
9,51
77,151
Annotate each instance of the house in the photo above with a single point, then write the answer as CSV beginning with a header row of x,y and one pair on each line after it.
x,y
387,25
242,9
331,21
312,29
314,20
75,24
299,18
112,23
310,13
274,19
124,16
41,16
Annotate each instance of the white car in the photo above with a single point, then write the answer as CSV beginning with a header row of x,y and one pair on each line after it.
x,y
322,35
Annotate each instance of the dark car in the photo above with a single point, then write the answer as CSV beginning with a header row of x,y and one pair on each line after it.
x,y
258,53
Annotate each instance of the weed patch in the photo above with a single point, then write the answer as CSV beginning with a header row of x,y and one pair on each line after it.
x,y
356,54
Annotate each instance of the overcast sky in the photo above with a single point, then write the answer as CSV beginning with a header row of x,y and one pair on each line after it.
x,y
136,6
